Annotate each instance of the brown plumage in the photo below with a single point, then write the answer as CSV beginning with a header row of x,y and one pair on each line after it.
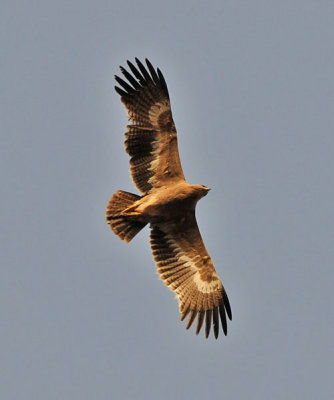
x,y
168,201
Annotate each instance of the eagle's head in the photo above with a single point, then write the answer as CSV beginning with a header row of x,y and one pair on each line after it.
x,y
200,190
205,190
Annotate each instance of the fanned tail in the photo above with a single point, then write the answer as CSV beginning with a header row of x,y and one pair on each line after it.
x,y
124,227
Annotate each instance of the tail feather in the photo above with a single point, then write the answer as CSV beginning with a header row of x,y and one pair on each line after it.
x,y
123,226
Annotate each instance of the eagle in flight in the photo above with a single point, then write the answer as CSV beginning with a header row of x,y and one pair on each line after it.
x,y
168,201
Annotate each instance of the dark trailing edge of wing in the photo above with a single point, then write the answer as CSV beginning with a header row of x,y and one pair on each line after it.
x,y
145,77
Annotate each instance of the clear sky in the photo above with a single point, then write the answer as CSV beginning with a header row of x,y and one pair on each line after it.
x,y
84,315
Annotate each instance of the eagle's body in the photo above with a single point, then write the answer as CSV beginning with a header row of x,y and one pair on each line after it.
x,y
168,202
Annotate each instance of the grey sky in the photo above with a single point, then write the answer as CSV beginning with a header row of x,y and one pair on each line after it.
x,y
84,315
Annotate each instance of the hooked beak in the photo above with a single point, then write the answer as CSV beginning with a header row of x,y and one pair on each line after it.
x,y
207,190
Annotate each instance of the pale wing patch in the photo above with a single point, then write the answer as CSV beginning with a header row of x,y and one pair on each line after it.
x,y
206,287
155,162
160,115
202,286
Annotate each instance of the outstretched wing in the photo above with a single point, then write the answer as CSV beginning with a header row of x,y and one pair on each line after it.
x,y
151,140
186,268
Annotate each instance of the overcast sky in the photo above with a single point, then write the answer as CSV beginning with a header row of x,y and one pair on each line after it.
x,y
84,315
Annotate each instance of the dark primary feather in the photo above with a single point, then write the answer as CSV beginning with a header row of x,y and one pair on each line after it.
x,y
143,76
130,78
163,83
144,72
125,85
200,320
135,71
227,305
223,316
191,318
215,322
152,71
208,322
120,91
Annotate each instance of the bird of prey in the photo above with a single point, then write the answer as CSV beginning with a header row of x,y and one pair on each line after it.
x,y
168,201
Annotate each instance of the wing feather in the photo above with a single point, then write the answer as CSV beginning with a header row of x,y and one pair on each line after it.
x,y
200,320
151,139
208,317
152,71
130,78
186,268
215,322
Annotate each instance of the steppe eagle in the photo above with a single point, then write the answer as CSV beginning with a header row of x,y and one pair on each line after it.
x,y
167,203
